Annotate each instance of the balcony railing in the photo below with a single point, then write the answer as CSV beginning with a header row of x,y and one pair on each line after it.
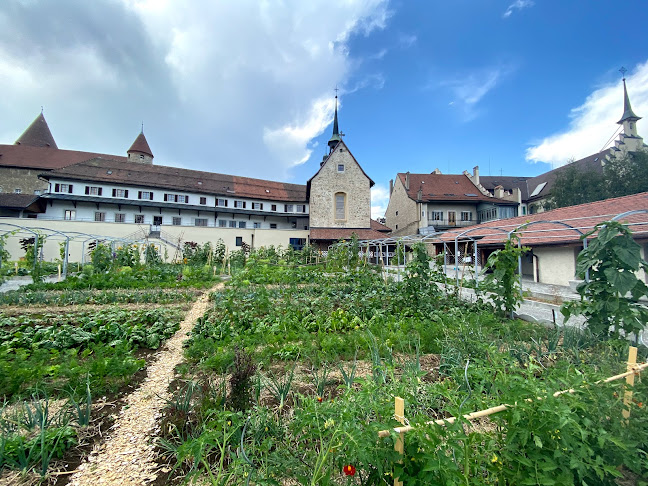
x,y
449,223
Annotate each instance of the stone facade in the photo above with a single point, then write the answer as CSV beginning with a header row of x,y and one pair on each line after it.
x,y
402,214
351,181
25,180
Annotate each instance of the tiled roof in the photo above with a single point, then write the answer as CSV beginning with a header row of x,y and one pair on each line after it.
x,y
334,234
507,182
545,230
140,145
378,226
44,158
17,201
445,187
590,163
173,178
37,134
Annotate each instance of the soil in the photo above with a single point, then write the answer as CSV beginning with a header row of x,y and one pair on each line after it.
x,y
33,309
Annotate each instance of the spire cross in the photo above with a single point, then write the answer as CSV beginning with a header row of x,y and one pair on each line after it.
x,y
623,71
142,127
336,90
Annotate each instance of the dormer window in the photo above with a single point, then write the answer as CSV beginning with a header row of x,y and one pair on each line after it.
x,y
340,167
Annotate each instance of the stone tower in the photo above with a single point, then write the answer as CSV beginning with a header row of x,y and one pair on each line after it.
x,y
140,151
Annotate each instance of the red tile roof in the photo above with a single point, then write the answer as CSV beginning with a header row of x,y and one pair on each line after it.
x,y
378,226
173,178
37,134
17,201
553,227
334,234
140,145
45,158
445,187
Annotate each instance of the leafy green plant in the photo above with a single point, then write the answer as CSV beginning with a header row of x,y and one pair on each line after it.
x,y
241,380
610,297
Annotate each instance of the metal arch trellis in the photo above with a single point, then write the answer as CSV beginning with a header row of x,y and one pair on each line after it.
x,y
475,247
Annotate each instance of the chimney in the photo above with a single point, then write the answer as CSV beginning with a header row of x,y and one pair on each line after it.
x,y
436,171
407,180
499,192
476,175
419,194
391,186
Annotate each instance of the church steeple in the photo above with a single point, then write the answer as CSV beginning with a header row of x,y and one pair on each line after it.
x,y
628,114
37,134
629,140
335,138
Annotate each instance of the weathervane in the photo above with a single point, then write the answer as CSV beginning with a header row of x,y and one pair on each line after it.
x,y
623,71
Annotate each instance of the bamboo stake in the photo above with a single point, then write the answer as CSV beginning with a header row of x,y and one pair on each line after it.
x,y
399,446
632,370
627,396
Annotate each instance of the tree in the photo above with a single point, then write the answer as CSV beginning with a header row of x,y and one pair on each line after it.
x,y
626,175
577,186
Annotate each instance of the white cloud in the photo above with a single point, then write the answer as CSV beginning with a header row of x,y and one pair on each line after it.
x,y
594,122
218,84
379,201
469,90
517,5
407,40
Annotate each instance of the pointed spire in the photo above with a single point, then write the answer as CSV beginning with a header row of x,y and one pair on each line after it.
x,y
335,138
140,150
628,114
37,134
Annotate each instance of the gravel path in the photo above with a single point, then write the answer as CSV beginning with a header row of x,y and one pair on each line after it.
x,y
127,456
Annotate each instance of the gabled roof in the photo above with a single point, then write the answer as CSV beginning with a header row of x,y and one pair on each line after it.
x,y
37,134
592,162
17,201
507,182
378,226
444,187
339,145
140,145
176,179
580,216
45,158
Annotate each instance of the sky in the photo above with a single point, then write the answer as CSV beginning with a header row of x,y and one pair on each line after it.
x,y
516,87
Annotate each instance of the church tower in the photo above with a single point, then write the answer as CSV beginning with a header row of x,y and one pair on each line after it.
x,y
629,141
140,151
335,138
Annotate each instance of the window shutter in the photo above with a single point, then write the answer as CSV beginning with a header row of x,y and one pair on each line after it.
x,y
187,199
304,208
261,206
114,192
243,204
100,190
225,202
70,188
285,208
87,191
165,197
56,187
126,193
139,194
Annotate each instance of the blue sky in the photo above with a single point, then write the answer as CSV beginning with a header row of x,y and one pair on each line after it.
x,y
247,87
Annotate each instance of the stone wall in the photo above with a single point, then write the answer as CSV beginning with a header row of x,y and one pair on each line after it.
x,y
26,180
406,222
351,181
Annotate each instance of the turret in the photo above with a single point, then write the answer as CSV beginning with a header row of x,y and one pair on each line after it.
x,y
140,150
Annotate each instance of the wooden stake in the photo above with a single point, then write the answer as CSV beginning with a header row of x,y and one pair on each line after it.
x,y
16,267
399,415
627,397
59,273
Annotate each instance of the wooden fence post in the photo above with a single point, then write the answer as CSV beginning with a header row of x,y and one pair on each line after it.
x,y
399,414
627,396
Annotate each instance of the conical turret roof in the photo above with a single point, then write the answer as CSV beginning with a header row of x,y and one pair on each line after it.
x,y
628,114
141,145
37,134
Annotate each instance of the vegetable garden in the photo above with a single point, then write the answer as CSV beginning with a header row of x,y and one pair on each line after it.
x,y
290,375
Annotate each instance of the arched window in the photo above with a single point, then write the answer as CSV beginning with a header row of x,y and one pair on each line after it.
x,y
340,206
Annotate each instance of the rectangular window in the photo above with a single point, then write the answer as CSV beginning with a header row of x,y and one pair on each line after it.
x,y
70,214
239,241
466,216
273,225
177,221
239,204
232,223
146,195
301,208
139,219
288,208
123,193
340,206
93,190
257,225
120,217
258,206
100,216
242,224
436,215
340,167
201,221
17,191
222,223
221,202
273,207
203,200
183,199
37,192
65,188
179,198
